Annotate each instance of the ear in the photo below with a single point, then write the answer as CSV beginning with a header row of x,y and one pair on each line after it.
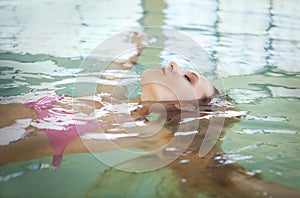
x,y
185,107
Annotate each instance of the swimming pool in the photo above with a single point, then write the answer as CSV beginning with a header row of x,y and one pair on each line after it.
x,y
256,50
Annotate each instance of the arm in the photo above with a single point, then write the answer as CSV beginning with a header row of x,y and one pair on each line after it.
x,y
139,39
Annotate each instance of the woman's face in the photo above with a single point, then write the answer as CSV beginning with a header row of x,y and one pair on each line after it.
x,y
174,83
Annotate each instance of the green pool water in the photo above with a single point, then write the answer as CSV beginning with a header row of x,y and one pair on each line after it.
x,y
255,51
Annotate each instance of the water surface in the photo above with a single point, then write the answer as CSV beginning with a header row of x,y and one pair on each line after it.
x,y
255,46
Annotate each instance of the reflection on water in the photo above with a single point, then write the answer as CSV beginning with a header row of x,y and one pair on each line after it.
x,y
76,26
244,37
257,51
256,47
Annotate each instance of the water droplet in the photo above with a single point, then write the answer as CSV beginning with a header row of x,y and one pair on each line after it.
x,y
183,180
184,161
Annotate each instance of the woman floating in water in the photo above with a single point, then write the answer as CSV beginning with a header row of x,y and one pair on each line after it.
x,y
171,121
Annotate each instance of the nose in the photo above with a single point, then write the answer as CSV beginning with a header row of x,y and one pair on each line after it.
x,y
174,67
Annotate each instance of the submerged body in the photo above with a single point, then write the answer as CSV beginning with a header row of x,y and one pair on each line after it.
x,y
90,124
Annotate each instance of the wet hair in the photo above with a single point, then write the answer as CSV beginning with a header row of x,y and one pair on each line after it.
x,y
178,110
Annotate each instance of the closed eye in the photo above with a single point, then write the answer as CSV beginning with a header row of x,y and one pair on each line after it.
x,y
188,78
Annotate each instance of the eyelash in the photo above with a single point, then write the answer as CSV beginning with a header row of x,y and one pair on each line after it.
x,y
188,78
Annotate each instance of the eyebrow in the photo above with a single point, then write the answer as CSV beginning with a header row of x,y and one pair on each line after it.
x,y
195,75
